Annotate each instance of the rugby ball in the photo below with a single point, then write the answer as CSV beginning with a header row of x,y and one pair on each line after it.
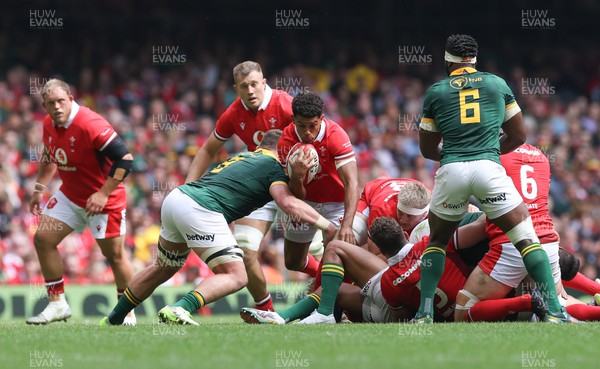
x,y
305,149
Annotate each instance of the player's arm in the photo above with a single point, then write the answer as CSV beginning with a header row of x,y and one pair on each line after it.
x,y
122,163
429,135
348,172
46,170
514,135
471,234
298,209
204,157
429,143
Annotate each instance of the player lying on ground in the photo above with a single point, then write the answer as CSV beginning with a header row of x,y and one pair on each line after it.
x,y
196,216
397,284
366,270
502,268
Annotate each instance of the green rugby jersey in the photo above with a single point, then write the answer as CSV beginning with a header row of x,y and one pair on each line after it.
x,y
239,185
468,109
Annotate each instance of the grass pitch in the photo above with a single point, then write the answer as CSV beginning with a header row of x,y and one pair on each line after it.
x,y
228,343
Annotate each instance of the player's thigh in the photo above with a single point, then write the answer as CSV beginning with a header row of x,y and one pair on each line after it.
x,y
451,192
59,218
113,247
496,274
359,264
494,190
260,219
108,225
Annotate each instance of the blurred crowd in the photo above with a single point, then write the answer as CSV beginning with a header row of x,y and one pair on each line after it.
x,y
165,112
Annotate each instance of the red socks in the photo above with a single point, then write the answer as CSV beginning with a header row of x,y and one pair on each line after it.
x,y
55,286
497,310
265,304
312,266
583,284
584,312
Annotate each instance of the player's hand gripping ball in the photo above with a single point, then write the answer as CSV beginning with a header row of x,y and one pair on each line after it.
x,y
306,150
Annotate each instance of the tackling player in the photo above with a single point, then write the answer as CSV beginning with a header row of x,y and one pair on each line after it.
x,y
467,110
196,216
258,109
92,162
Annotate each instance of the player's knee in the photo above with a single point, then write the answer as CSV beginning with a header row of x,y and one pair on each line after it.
x,y
40,241
360,230
235,270
524,231
464,301
247,237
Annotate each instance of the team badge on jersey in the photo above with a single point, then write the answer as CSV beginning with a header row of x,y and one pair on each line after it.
x,y
272,120
458,83
61,156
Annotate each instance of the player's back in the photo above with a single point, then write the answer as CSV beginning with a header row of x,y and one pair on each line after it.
x,y
239,185
381,195
529,170
468,109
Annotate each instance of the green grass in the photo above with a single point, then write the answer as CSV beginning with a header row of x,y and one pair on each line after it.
x,y
225,342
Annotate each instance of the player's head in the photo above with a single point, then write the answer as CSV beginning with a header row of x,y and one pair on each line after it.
x,y
307,109
249,84
413,205
569,265
387,234
57,100
461,51
270,139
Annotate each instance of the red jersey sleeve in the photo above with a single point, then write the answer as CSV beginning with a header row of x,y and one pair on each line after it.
x,y
100,132
339,144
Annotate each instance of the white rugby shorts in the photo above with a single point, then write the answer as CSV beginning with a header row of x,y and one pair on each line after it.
x,y
484,179
109,225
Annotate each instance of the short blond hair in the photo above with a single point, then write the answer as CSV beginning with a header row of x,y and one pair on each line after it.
x,y
414,195
53,84
245,68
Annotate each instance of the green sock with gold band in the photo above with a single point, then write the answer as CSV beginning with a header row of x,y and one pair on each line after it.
x,y
191,302
432,267
332,276
301,309
126,303
538,266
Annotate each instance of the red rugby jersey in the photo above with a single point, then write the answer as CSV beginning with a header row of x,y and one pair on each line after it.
x,y
275,112
332,143
77,152
529,170
401,282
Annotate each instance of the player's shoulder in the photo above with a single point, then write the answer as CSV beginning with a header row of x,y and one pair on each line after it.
x,y
525,153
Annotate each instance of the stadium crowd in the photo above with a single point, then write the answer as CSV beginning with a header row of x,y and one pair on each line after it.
x,y
165,111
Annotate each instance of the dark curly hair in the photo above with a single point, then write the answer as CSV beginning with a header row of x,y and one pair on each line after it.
x,y
462,45
569,265
387,234
307,105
